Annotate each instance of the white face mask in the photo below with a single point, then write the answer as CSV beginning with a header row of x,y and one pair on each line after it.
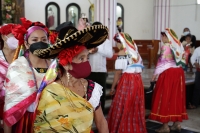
x,y
186,33
12,42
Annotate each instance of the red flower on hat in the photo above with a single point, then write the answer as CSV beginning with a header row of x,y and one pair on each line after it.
x,y
53,36
66,55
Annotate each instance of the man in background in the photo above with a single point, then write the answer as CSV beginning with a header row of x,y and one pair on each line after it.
x,y
97,59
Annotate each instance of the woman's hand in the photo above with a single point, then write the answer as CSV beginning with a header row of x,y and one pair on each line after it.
x,y
154,77
112,92
81,24
7,129
196,65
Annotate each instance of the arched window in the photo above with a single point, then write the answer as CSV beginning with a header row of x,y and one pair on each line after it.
x,y
120,13
73,12
52,13
91,14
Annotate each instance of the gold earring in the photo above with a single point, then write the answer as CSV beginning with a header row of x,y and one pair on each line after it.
x,y
68,78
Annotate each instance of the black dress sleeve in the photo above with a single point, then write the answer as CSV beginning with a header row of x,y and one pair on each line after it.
x,y
182,39
193,41
90,89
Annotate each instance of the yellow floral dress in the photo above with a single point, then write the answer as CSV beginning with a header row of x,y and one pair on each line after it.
x,y
55,113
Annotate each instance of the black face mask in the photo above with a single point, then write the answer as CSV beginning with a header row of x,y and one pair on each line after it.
x,y
38,45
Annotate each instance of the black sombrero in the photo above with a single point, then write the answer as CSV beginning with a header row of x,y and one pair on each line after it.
x,y
69,36
63,25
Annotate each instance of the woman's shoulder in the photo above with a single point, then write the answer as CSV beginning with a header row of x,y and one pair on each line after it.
x,y
52,85
94,93
93,88
19,61
52,88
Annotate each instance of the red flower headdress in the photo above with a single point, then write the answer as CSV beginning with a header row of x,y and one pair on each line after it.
x,y
7,29
66,55
21,30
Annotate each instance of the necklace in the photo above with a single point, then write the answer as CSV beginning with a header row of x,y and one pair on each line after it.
x,y
34,76
41,70
72,104
85,90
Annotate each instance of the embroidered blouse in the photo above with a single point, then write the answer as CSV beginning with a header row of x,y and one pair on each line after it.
x,y
166,59
124,62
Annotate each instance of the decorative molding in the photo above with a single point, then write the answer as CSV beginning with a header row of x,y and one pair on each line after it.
x,y
105,12
162,16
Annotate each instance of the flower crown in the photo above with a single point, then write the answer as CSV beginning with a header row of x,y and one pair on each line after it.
x,y
7,29
20,31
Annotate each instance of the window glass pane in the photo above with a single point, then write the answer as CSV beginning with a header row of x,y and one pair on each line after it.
x,y
73,15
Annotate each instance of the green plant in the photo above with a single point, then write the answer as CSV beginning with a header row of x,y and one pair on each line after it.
x,y
8,11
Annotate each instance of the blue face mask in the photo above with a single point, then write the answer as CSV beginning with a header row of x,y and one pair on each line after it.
x,y
186,33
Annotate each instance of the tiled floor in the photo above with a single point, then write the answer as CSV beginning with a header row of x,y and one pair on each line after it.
x,y
192,125
151,126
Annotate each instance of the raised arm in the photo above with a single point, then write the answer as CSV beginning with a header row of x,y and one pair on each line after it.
x,y
106,49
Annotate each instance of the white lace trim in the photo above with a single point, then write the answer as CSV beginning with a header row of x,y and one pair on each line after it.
x,y
132,70
96,94
121,64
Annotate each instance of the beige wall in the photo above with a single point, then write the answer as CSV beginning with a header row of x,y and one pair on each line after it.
x,y
185,13
35,9
139,15
138,18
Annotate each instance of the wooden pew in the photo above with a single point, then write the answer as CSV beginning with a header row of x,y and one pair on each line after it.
x,y
148,50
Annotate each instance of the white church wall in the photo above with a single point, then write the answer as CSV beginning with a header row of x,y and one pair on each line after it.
x,y
35,9
185,13
139,15
138,18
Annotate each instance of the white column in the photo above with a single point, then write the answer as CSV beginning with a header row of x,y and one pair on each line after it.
x,y
105,12
162,17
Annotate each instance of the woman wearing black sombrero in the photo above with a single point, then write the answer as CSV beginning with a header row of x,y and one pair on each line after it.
x,y
70,103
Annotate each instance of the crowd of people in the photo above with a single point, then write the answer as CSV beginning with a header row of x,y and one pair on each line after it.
x,y
56,81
